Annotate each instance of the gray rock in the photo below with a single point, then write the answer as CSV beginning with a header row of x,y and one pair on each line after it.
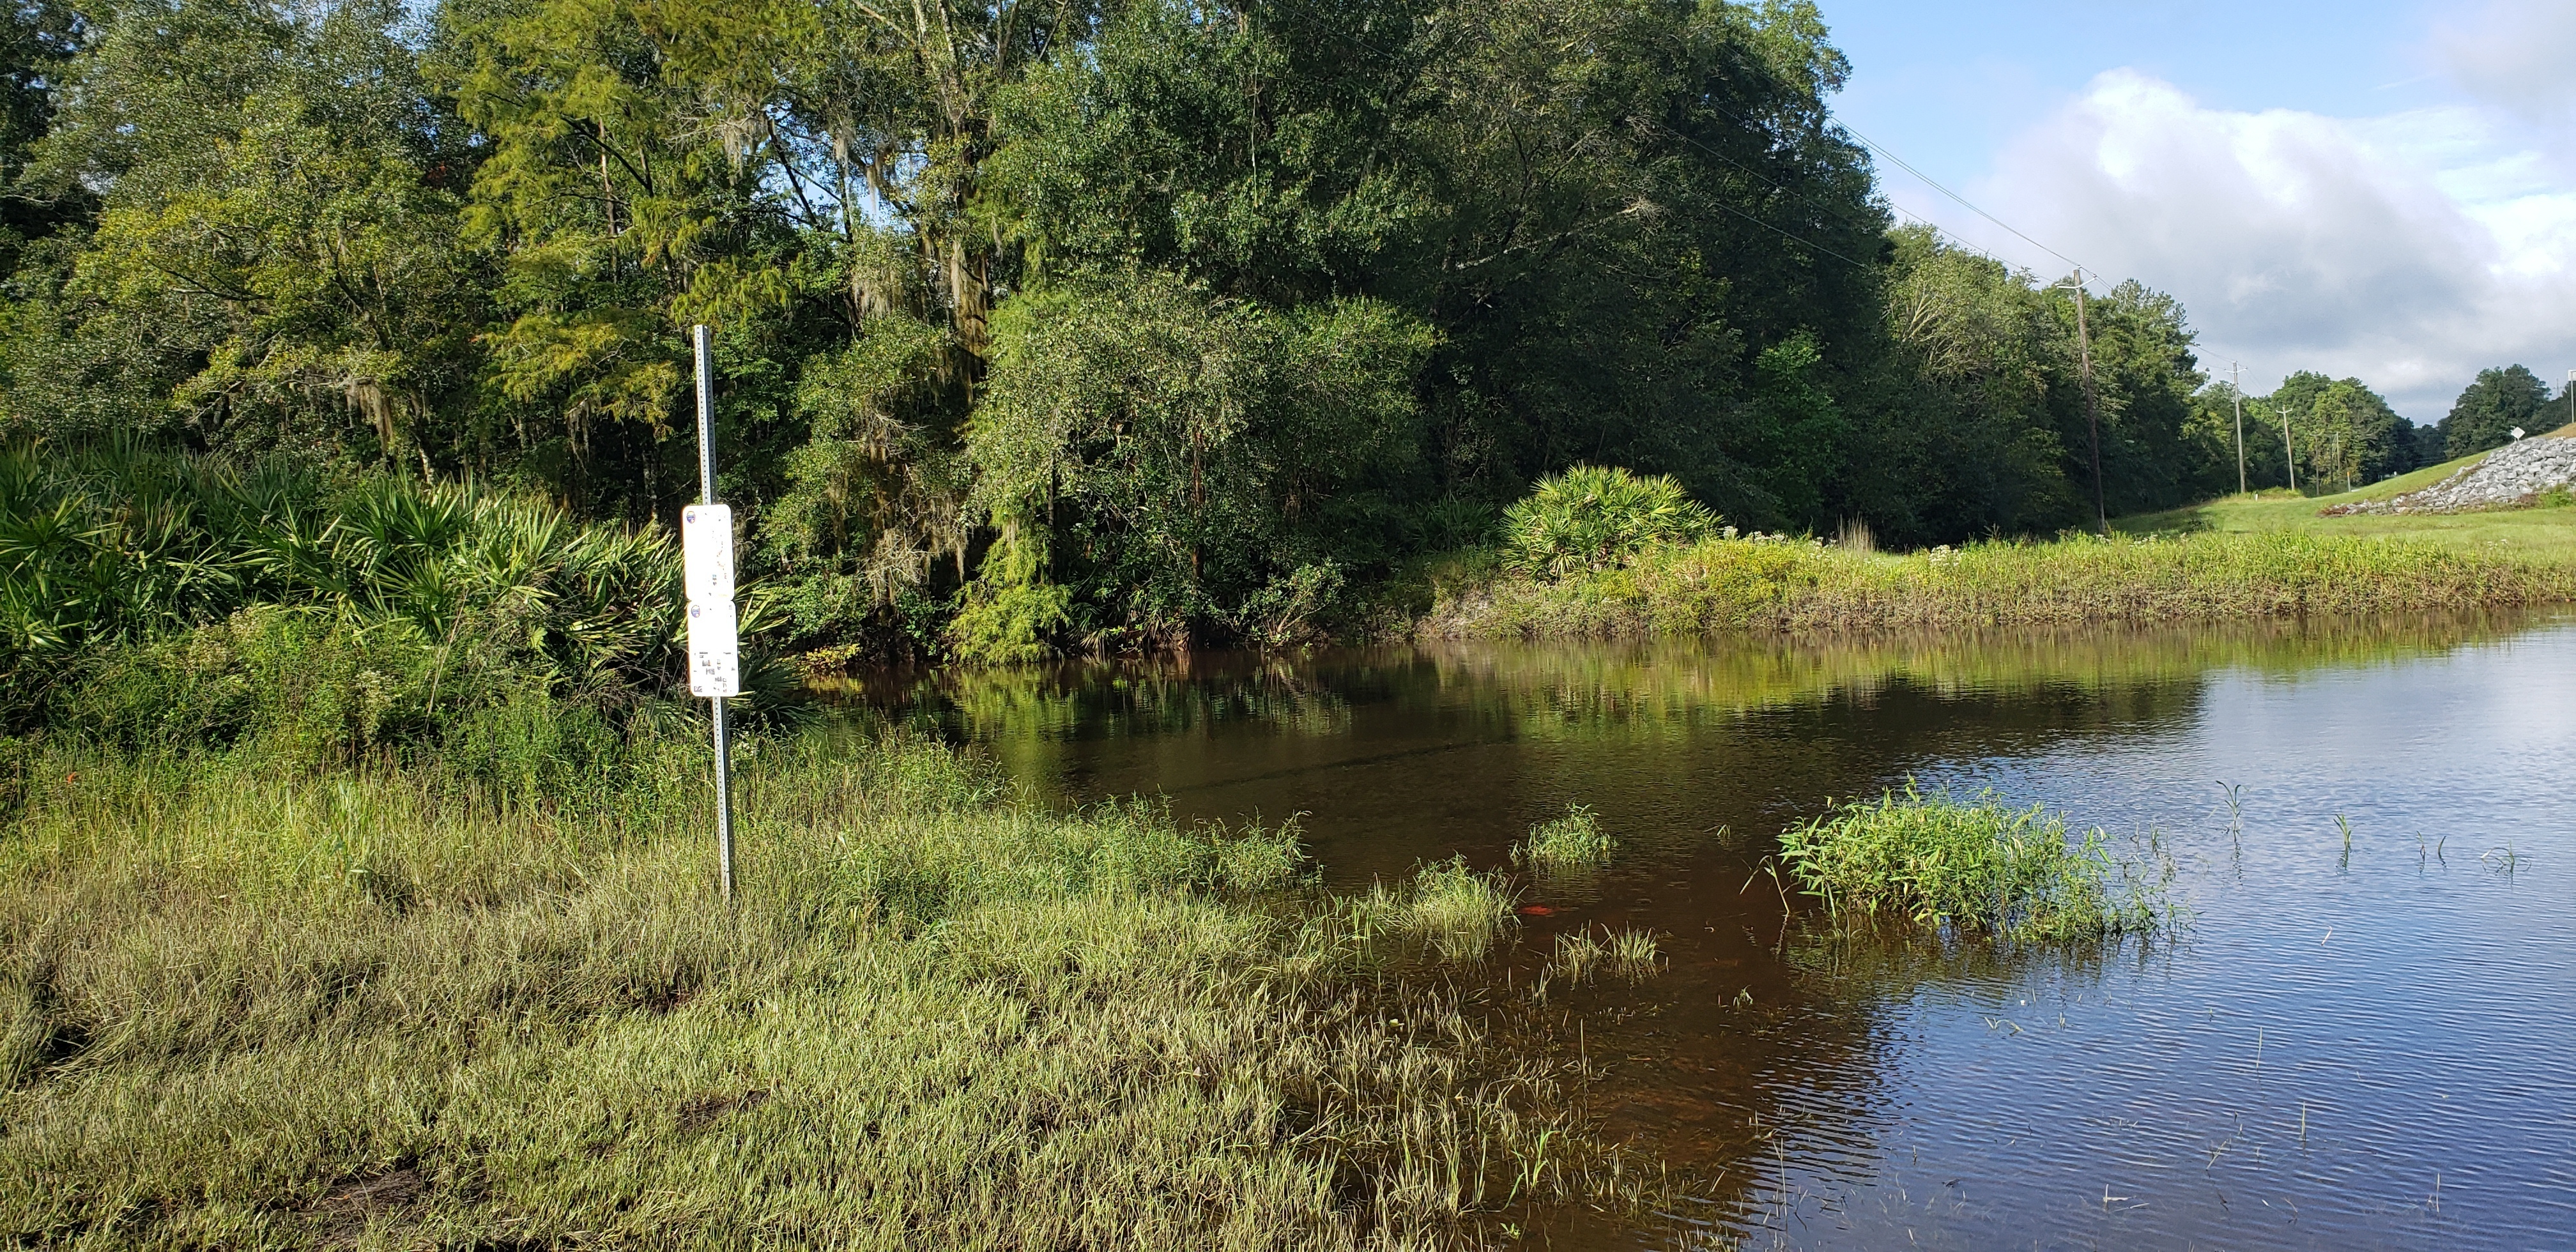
x,y
2509,476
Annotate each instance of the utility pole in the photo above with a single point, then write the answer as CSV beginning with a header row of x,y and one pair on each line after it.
x,y
2236,385
2092,409
2289,455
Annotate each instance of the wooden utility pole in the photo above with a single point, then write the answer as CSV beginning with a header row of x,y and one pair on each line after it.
x,y
2236,384
2092,407
2289,455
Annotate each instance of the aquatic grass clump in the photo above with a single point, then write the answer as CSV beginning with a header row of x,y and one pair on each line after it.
x,y
1977,867
1634,955
1457,910
1574,841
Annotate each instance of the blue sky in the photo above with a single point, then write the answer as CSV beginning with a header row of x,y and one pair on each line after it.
x,y
2378,189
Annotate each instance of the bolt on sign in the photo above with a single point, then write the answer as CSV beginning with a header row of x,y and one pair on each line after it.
x,y
715,643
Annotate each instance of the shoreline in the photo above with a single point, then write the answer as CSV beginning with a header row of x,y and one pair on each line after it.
x,y
1774,586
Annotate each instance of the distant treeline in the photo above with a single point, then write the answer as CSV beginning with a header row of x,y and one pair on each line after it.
x,y
1109,323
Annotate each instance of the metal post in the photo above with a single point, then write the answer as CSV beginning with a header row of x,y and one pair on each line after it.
x,y
707,495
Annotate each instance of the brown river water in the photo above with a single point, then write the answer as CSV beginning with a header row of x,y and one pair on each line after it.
x,y
2362,1048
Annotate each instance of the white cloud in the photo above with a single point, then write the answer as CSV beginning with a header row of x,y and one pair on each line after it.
x,y
2411,250
2516,53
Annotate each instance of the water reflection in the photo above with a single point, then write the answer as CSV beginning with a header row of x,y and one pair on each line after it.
x,y
2331,1036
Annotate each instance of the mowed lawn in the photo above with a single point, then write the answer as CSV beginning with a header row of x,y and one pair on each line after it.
x,y
2547,532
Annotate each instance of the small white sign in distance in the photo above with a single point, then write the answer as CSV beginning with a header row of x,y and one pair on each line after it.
x,y
715,651
706,553
714,640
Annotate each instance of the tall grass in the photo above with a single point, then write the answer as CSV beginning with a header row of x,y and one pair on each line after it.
x,y
1977,867
248,1004
1774,584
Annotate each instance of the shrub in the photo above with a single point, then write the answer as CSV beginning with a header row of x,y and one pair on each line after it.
x,y
1589,517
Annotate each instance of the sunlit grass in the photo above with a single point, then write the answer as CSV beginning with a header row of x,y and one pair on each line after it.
x,y
1978,867
1757,585
248,1005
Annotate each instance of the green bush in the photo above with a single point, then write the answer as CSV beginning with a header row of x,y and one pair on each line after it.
x,y
1590,517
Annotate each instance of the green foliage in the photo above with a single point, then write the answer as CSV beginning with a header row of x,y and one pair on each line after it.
x,y
482,590
1591,517
2490,408
2345,434
1219,311
1977,867
1196,450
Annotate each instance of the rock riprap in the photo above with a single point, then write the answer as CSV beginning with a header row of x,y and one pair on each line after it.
x,y
2512,475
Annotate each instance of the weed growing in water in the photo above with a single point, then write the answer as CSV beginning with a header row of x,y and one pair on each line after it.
x,y
1458,910
1574,841
1631,954
1978,866
1635,954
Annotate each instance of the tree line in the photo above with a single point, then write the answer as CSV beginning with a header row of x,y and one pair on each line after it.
x,y
1101,323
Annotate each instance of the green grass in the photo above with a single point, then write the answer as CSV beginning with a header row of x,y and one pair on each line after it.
x,y
1977,867
247,1004
1792,585
1572,842
2545,532
1634,955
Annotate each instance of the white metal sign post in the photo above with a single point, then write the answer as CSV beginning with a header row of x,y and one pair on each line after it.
x,y
715,648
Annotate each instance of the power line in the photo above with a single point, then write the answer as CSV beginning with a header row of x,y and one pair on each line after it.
x,y
1899,209
1935,185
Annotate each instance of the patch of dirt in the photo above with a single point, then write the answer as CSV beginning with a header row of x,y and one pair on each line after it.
x,y
340,1216
705,1111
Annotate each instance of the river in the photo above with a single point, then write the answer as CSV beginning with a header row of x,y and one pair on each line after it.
x,y
2362,1041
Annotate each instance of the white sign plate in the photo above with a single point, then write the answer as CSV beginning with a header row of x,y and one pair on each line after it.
x,y
706,558
715,651
706,553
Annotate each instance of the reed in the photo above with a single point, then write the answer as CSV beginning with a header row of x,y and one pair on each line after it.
x,y
251,1004
1978,867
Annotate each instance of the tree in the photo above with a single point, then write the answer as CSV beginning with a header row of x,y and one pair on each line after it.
x,y
2489,409
2345,433
274,262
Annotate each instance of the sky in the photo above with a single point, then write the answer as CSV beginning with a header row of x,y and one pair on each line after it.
x,y
2375,188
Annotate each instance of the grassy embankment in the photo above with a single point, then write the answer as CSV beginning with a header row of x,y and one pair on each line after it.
x,y
1790,585
1602,552
248,1004
2543,532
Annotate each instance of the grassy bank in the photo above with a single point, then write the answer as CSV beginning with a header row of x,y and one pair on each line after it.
x,y
2546,533
248,1004
1725,584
